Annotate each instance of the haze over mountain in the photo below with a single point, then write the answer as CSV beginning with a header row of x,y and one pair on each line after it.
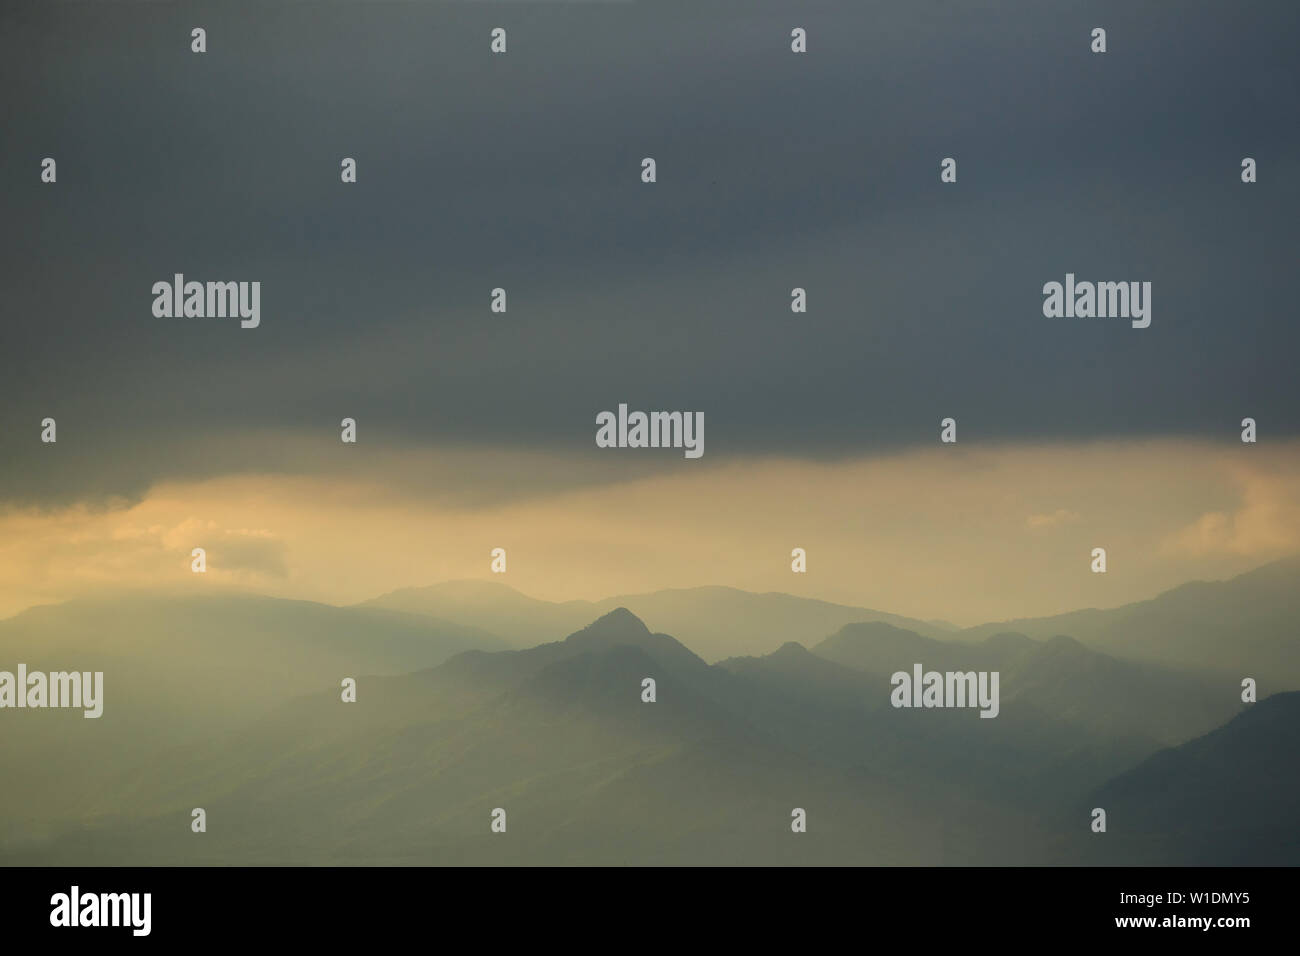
x,y
1244,626
715,622
559,737
178,669
1105,695
1068,716
1247,626
474,429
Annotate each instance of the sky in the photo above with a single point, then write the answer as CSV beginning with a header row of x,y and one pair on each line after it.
x,y
775,170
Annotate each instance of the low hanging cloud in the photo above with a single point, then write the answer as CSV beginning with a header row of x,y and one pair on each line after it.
x,y
50,555
1265,524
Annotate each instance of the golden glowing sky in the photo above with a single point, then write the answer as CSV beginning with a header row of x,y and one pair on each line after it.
x,y
964,534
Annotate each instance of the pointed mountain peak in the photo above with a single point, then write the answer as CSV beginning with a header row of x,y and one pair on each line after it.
x,y
621,628
618,624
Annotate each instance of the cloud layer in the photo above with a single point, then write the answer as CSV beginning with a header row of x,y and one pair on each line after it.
x,y
521,171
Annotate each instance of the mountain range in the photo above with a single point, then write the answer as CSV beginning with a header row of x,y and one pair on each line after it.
x,y
1244,627
1241,627
233,704
715,622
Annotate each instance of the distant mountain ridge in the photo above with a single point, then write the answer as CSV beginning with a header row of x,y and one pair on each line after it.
x,y
1144,702
715,622
1246,626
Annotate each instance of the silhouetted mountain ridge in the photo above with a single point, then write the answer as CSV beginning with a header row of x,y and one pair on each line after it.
x,y
1230,797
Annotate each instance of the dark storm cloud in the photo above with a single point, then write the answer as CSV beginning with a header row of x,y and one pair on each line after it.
x,y
522,171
